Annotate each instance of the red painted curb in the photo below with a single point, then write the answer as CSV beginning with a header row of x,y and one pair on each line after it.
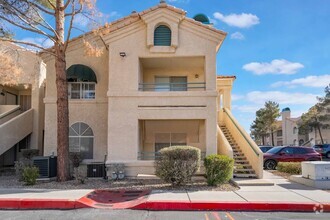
x,y
232,206
40,204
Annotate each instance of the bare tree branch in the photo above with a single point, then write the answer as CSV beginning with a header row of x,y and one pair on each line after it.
x,y
50,27
42,9
71,24
44,50
35,30
25,19
51,4
67,3
75,12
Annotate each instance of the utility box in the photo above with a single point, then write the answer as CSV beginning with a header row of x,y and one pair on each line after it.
x,y
47,166
316,170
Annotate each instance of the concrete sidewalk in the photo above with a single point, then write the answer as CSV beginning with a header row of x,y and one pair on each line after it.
x,y
275,194
282,195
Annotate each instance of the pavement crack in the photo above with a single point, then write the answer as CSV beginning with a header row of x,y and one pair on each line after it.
x,y
240,196
188,196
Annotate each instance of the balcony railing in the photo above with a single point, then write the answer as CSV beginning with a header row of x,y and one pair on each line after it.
x,y
144,155
163,87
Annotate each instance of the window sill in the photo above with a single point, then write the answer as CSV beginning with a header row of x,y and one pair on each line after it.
x,y
162,49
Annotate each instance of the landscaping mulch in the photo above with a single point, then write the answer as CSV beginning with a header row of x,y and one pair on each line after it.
x,y
130,184
278,173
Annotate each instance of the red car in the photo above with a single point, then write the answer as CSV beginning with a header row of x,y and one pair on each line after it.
x,y
289,154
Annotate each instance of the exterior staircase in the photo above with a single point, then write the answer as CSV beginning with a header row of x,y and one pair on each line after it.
x,y
242,167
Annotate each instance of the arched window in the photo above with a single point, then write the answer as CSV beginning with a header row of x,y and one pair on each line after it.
x,y
81,82
295,129
81,139
162,36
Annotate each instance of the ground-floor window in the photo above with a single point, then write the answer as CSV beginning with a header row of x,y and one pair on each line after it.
x,y
81,139
163,140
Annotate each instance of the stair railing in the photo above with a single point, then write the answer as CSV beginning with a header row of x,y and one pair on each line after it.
x,y
252,152
223,145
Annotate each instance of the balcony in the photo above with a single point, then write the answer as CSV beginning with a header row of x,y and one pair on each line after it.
x,y
164,74
164,87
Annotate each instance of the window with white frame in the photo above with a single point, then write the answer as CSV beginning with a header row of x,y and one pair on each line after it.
x,y
81,139
81,82
81,90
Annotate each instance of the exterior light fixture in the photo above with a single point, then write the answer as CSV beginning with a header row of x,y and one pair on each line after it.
x,y
196,76
122,54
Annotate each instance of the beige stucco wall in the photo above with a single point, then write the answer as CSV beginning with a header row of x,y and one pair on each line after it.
x,y
127,105
92,112
193,129
119,106
30,82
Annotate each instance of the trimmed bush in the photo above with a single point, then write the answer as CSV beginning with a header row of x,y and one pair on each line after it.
x,y
30,175
218,169
177,164
289,167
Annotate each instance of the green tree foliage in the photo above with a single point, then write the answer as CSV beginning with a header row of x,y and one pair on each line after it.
x,y
318,116
265,121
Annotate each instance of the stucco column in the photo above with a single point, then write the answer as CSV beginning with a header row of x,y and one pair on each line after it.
x,y
227,98
37,95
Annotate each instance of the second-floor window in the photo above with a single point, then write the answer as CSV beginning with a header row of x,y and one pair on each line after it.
x,y
81,90
162,36
81,82
170,83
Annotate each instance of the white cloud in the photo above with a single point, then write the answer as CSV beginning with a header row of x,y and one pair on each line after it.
x,y
237,36
309,81
44,42
238,20
235,97
247,108
281,66
282,98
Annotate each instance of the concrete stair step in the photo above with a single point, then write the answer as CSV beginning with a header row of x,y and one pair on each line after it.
x,y
243,166
250,175
244,170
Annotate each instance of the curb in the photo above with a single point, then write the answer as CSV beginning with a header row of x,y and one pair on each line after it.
x,y
233,206
62,204
41,204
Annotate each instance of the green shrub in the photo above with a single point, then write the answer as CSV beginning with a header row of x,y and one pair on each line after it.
x,y
289,167
177,164
218,169
30,174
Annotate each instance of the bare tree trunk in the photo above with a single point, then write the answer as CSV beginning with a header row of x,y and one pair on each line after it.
x,y
263,139
272,133
62,98
318,128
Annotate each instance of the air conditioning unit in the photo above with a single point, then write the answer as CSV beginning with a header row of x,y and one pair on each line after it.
x,y
47,166
96,170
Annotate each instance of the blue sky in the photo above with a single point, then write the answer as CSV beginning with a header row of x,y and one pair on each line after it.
x,y
279,50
